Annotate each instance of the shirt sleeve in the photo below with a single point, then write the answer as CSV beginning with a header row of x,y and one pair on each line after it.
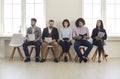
x,y
88,33
39,34
73,33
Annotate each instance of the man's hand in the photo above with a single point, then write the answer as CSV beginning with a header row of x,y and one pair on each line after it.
x,y
53,40
85,37
78,37
35,40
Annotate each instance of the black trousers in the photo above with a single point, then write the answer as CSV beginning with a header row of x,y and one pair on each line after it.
x,y
99,44
37,48
65,46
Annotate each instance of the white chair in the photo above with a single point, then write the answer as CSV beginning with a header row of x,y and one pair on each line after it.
x,y
16,41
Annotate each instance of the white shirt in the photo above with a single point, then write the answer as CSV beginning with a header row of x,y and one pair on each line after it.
x,y
65,33
49,30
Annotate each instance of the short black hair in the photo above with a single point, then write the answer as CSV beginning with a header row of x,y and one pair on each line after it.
x,y
34,19
51,20
66,20
79,20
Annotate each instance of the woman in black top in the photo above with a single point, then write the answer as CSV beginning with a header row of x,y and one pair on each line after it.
x,y
98,36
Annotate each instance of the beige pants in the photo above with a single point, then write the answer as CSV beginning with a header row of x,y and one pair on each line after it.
x,y
44,49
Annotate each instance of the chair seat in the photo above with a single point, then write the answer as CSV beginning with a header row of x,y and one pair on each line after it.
x,y
14,45
49,46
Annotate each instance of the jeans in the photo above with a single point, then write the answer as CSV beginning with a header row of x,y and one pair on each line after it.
x,y
37,48
85,43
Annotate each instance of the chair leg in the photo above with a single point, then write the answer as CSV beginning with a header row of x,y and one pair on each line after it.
x,y
31,50
95,54
12,54
47,53
83,49
70,57
76,58
54,55
21,56
103,56
61,54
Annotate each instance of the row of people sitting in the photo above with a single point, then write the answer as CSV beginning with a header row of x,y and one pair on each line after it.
x,y
63,38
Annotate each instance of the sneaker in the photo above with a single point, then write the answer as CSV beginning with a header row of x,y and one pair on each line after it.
x,y
27,60
85,59
37,60
42,60
80,60
65,59
56,60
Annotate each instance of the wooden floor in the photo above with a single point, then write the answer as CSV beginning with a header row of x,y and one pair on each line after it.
x,y
49,70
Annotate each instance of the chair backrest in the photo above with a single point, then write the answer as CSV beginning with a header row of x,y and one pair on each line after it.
x,y
17,40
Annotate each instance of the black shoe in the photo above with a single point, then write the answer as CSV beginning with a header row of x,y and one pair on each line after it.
x,y
56,60
80,60
85,59
27,60
65,59
42,60
37,60
99,61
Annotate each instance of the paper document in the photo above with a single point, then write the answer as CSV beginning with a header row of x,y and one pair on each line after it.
x,y
101,34
48,39
31,37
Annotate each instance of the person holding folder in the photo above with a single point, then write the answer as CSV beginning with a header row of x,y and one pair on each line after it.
x,y
81,36
33,37
50,36
99,35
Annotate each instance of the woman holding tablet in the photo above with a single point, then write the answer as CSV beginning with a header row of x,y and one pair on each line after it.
x,y
99,35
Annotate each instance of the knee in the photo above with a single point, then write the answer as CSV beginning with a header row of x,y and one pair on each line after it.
x,y
76,44
55,44
25,44
90,46
44,44
37,44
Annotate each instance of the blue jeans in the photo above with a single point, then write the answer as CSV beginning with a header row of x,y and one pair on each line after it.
x,y
37,48
85,43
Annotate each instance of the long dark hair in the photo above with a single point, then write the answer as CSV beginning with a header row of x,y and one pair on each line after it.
x,y
101,26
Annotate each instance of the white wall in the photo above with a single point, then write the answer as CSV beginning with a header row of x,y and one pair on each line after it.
x,y
63,9
59,10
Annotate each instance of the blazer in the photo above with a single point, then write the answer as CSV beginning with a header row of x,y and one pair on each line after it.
x,y
55,34
95,33
37,32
